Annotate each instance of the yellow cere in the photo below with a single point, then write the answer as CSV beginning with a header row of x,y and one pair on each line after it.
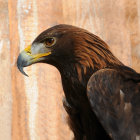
x,y
28,49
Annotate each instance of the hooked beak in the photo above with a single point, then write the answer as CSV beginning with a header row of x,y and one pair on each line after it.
x,y
26,58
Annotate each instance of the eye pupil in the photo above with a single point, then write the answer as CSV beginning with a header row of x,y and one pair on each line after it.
x,y
49,41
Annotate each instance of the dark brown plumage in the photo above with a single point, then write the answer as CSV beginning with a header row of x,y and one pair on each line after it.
x,y
109,108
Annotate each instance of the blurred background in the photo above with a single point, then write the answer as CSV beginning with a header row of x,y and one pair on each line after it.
x,y
31,107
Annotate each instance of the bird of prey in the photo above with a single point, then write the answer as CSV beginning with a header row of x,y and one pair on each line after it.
x,y
102,95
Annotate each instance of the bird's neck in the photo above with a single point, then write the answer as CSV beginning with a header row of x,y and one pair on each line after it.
x,y
74,87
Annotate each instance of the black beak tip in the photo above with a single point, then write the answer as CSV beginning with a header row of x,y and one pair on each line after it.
x,y
22,71
20,66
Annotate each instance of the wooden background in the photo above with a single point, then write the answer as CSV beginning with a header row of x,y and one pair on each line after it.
x,y
31,108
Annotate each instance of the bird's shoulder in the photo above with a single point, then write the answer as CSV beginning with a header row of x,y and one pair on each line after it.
x,y
114,95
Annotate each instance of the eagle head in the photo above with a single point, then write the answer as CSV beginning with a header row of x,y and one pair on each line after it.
x,y
64,46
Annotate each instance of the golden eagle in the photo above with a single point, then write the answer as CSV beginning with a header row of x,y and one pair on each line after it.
x,y
102,95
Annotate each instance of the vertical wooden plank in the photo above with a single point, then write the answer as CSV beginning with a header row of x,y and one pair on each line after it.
x,y
137,48
132,19
27,29
19,114
51,117
5,73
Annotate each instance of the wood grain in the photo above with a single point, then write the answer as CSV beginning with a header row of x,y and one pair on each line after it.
x,y
5,74
31,108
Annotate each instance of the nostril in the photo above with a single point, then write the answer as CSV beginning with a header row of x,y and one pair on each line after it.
x,y
28,52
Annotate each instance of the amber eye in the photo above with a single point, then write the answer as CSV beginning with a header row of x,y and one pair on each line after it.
x,y
49,42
